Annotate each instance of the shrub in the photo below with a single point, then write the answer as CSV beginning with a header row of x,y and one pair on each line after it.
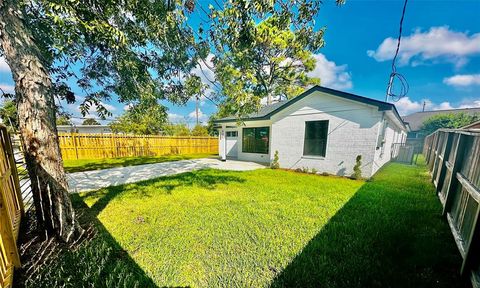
x,y
275,164
314,171
357,170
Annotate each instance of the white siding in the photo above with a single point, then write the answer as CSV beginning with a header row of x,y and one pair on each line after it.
x,y
352,131
394,133
254,157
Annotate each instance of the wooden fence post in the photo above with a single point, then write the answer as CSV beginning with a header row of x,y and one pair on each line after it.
x,y
452,186
444,159
14,173
8,232
11,210
473,246
74,140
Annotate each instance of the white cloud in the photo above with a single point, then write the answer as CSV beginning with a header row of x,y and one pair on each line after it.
x,y
264,100
175,118
473,104
443,106
201,116
206,74
330,74
406,106
463,80
127,107
438,43
3,65
204,71
7,88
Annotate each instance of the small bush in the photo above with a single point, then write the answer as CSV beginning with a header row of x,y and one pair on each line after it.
x,y
275,164
357,169
325,174
306,170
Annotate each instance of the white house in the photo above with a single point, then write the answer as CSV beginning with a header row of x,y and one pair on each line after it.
x,y
321,128
91,129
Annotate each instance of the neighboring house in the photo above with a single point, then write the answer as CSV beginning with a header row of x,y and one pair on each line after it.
x,y
415,120
321,128
91,129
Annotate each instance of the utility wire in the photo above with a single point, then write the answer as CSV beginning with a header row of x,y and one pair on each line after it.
x,y
394,75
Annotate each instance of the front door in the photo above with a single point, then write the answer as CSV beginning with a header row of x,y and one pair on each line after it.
x,y
232,143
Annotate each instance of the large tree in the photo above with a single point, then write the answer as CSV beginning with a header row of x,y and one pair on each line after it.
x,y
63,120
144,119
90,121
447,120
177,129
134,50
263,49
8,114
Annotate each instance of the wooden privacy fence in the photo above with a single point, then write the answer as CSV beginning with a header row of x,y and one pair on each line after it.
x,y
11,210
403,153
97,146
453,158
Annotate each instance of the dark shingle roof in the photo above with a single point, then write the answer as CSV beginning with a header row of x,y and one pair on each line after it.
x,y
264,111
415,120
267,111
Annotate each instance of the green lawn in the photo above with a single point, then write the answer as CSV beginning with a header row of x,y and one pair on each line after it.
x,y
263,228
72,166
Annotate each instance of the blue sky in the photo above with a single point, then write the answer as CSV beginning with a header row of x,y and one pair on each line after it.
x,y
439,55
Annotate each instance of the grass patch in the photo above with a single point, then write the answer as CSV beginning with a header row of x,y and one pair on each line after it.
x,y
389,234
72,166
264,228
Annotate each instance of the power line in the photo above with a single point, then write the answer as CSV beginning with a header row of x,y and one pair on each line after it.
x,y
394,75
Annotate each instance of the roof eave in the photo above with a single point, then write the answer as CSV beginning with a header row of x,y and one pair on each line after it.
x,y
382,106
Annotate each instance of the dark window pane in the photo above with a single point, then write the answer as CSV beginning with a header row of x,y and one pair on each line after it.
x,y
315,143
255,140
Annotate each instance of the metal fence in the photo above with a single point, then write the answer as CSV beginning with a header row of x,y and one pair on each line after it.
x,y
453,158
99,146
11,210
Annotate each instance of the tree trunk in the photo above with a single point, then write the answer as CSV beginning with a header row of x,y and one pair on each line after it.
x,y
36,112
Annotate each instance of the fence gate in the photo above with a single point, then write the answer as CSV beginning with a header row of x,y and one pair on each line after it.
x,y
11,210
403,153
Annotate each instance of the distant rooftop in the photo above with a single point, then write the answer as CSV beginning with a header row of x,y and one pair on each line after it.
x,y
415,120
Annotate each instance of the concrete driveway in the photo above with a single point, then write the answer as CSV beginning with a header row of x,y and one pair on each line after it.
x,y
94,180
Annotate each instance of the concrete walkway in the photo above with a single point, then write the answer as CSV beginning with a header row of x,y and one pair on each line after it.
x,y
93,180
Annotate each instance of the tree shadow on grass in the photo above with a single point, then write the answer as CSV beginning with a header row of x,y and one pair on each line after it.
x,y
389,234
95,260
205,178
100,261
